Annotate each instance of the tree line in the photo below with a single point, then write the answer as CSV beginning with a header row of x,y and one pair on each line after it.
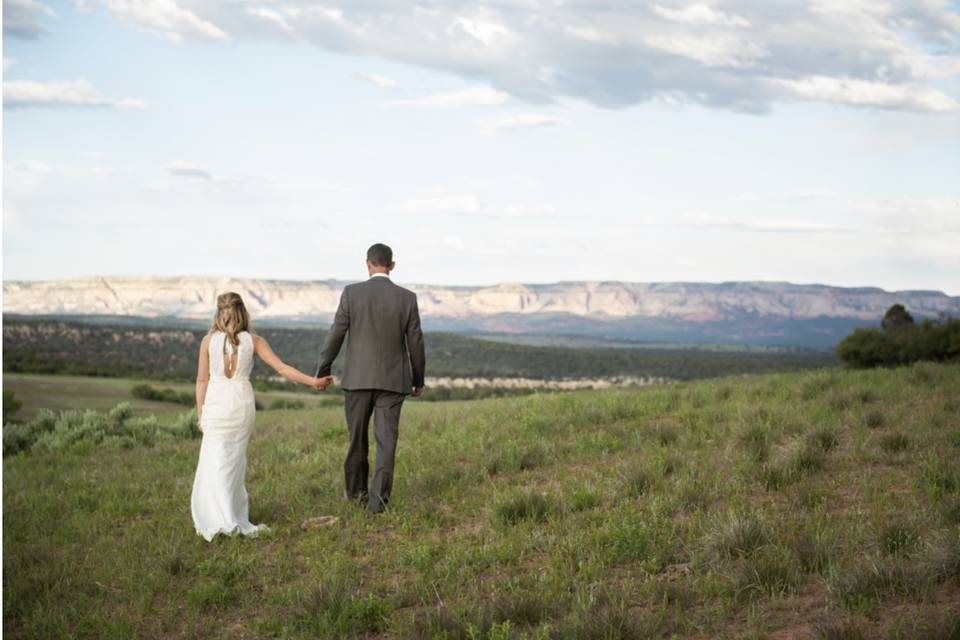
x,y
901,340
152,352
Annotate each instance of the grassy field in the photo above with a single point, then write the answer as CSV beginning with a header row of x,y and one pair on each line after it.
x,y
805,505
57,392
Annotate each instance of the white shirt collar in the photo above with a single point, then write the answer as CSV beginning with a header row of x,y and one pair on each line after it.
x,y
380,275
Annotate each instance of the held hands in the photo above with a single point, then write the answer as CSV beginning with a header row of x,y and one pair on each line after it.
x,y
321,384
417,392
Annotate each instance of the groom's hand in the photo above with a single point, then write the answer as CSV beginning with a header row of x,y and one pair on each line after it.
x,y
321,384
417,392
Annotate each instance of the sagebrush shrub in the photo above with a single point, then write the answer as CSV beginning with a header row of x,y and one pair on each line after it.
x,y
117,428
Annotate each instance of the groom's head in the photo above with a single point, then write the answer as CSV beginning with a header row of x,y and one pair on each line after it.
x,y
380,259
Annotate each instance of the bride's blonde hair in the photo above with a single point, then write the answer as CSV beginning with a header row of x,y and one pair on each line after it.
x,y
232,316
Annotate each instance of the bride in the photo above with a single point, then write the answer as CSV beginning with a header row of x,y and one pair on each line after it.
x,y
225,415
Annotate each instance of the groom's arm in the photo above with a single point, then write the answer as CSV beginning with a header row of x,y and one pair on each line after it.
x,y
338,331
418,358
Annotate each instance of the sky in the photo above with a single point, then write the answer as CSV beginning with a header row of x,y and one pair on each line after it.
x,y
512,141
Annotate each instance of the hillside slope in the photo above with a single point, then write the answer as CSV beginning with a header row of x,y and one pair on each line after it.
x,y
789,506
43,346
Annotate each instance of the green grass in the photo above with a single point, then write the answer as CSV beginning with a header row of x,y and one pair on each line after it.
x,y
59,393
748,507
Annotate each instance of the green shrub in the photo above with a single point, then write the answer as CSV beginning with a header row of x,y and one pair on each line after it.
x,y
212,595
147,392
840,631
10,405
797,458
757,439
531,458
584,499
771,571
874,418
941,477
813,552
940,561
738,535
183,426
665,434
900,342
284,403
894,442
823,438
874,579
898,538
947,628
525,506
116,428
636,481
950,509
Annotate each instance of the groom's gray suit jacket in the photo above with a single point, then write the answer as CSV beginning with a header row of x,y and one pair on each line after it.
x,y
385,344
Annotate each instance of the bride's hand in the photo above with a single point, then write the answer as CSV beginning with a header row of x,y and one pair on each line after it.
x,y
321,384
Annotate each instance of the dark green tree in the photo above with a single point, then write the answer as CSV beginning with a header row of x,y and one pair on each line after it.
x,y
10,405
902,342
896,317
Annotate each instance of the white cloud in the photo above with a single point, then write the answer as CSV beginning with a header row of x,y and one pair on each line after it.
x,y
828,213
700,14
471,204
477,96
27,171
932,215
745,55
523,211
19,94
377,80
863,93
189,171
454,204
454,242
23,176
271,16
773,225
714,51
21,19
520,121
195,178
166,18
592,34
486,32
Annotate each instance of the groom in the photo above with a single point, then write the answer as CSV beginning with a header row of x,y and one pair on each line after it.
x,y
385,363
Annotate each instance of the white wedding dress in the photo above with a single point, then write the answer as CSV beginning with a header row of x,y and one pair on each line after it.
x,y
219,502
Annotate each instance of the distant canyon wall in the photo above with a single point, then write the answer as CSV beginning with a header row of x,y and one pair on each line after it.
x,y
194,297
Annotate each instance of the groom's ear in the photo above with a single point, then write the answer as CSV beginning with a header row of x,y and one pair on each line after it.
x,y
393,265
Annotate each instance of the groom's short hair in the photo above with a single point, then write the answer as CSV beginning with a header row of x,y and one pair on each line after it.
x,y
380,255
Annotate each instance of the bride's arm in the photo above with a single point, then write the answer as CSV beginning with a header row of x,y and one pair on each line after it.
x,y
262,349
203,376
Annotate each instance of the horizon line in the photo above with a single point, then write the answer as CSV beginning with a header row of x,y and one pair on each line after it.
x,y
478,286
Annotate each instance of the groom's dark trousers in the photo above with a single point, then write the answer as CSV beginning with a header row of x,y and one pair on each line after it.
x,y
385,362
385,407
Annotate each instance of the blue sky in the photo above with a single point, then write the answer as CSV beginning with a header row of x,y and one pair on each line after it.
x,y
486,142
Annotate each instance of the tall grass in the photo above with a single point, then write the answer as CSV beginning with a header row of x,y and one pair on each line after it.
x,y
728,508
